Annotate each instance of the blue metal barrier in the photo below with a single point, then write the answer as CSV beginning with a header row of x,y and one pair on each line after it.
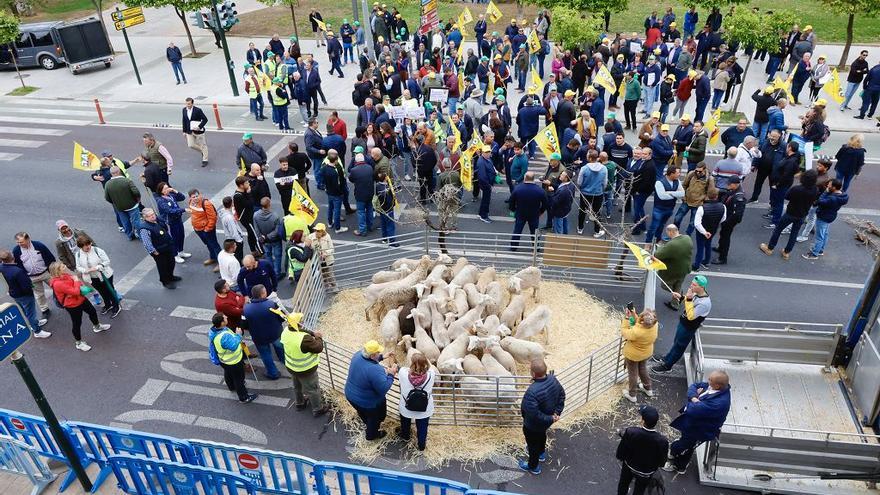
x,y
140,476
101,442
270,471
34,432
332,478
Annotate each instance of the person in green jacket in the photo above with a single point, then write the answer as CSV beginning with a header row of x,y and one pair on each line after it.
x,y
676,254
631,99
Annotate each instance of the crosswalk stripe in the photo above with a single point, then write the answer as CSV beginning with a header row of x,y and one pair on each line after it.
x,y
37,120
59,103
21,143
56,111
33,131
8,157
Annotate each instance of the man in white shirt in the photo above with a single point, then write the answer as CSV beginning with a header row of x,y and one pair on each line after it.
x,y
746,153
228,264
194,122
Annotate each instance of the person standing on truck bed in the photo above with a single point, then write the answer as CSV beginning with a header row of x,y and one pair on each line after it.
x,y
172,53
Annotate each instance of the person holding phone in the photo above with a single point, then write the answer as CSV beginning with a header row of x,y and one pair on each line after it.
x,y
639,331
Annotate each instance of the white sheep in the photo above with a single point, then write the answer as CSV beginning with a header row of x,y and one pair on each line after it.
x,y
459,303
488,326
410,263
391,275
460,263
438,320
421,318
473,295
401,290
496,296
438,274
467,275
534,323
464,324
486,276
472,366
493,367
451,366
482,343
389,328
523,351
409,349
457,349
513,313
504,358
371,294
443,259
425,344
524,279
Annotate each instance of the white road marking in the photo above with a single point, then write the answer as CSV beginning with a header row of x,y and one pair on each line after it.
x,y
8,157
34,131
56,111
21,143
173,365
149,392
246,114
55,103
186,388
248,434
193,313
785,280
38,120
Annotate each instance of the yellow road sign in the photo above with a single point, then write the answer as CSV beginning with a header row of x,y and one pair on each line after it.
x,y
132,21
127,13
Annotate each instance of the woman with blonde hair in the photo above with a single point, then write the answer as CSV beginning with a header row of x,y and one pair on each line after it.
x,y
93,264
850,160
416,399
70,294
639,332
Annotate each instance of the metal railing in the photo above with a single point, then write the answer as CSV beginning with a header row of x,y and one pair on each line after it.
x,y
593,374
771,341
19,458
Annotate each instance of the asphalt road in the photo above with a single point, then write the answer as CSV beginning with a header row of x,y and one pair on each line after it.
x,y
150,370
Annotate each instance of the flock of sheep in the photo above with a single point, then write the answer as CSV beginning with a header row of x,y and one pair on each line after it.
x,y
461,318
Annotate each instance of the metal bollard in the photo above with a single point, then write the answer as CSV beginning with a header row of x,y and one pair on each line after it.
x,y
100,113
217,117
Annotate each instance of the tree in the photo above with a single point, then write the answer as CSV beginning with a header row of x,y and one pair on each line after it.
x,y
8,34
292,4
181,7
604,7
867,8
758,31
570,28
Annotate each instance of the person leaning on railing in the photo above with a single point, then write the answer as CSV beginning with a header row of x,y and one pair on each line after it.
x,y
639,331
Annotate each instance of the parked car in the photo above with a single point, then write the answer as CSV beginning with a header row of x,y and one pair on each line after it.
x,y
37,45
79,45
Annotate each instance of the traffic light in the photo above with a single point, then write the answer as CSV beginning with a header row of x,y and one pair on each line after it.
x,y
198,20
228,15
205,20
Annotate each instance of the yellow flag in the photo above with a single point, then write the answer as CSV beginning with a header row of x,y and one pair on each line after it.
x,y
491,88
84,159
534,42
547,140
302,206
391,188
536,78
621,90
646,261
321,25
461,81
438,131
712,127
475,144
493,12
465,18
243,170
459,58
832,87
603,78
467,170
457,134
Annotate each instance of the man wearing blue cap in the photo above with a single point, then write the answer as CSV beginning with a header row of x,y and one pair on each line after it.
x,y
641,451
697,306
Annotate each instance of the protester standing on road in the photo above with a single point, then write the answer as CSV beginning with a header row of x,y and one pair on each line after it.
x,y
871,93
781,179
174,56
284,178
226,345
159,244
65,245
367,383
734,201
250,152
697,185
832,199
157,153
697,306
21,290
257,272
639,332
666,192
93,265
800,198
125,197
302,355
266,224
857,71
708,219
203,217
34,258
850,160
194,122
542,405
69,293
528,202
232,229
172,213
244,211
700,420
676,254
264,326
642,451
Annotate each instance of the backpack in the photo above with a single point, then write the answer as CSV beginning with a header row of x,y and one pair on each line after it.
x,y
826,132
417,399
212,351
356,98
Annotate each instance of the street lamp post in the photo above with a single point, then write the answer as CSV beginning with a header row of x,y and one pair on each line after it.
x,y
368,31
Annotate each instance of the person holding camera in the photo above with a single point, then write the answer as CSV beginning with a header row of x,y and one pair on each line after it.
x,y
639,332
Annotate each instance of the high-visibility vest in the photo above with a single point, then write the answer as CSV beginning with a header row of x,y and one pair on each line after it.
x,y
270,67
292,223
253,81
119,163
294,358
277,100
295,265
225,355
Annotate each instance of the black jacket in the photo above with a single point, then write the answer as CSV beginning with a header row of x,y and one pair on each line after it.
x,y
782,175
197,116
762,103
735,202
857,71
642,450
800,199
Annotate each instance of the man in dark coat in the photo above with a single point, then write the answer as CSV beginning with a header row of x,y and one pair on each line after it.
x,y
641,451
541,406
700,420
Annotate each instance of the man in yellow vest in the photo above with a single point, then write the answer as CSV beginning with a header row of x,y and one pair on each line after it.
x,y
224,348
280,100
302,355
255,84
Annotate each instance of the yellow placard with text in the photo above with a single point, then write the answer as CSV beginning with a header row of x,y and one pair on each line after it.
x,y
84,159
301,205
548,141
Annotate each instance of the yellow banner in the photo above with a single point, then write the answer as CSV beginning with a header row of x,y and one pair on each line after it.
x,y
243,170
493,12
534,42
321,25
438,130
536,78
547,140
461,82
475,144
467,170
646,261
465,18
457,134
621,91
712,127
391,188
603,78
833,88
84,159
302,206
459,58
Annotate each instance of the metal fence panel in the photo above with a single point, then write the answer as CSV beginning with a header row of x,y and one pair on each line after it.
x,y
344,479
758,340
141,476
19,458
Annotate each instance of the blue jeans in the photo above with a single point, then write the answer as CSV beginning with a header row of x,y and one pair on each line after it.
x,y
844,179
773,66
760,131
821,237
521,80
784,222
388,226
701,109
334,208
316,166
703,252
638,212
407,163
518,225
851,89
717,94
178,71
659,217
29,307
365,216
130,221
272,251
650,97
777,201
683,338
210,239
560,225
175,228
609,202
279,115
452,104
664,112
421,430
347,53
683,210
257,106
265,351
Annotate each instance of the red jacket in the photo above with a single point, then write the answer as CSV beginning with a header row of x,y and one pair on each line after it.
x,y
231,306
685,87
66,289
340,129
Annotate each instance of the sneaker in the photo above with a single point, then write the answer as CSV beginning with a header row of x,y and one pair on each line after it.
x,y
580,231
42,322
407,177
542,457
656,360
250,398
116,312
178,259
809,256
485,220
660,369
765,249
822,253
105,310
670,468
770,226
340,230
121,229
787,230
599,235
101,327
786,256
703,266
82,346
802,238
184,254
631,398
525,467
42,334
648,392
209,262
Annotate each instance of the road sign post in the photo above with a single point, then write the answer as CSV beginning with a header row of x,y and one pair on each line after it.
x,y
14,332
229,64
127,18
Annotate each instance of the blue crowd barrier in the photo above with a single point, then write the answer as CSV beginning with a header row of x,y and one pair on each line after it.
x,y
101,442
270,471
34,432
333,478
140,476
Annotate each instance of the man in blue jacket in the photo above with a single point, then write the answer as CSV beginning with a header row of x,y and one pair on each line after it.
x,y
528,122
486,174
264,325
871,94
367,383
700,419
480,32
21,289
254,273
173,55
541,406
224,347
560,203
528,201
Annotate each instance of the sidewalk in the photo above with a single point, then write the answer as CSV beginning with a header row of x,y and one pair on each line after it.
x,y
11,484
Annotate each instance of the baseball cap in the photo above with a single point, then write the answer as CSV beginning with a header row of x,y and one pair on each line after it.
x,y
552,87
106,153
499,91
293,38
821,102
500,98
649,414
320,226
555,156
670,76
486,148
611,115
664,127
61,223
293,320
686,117
276,80
569,92
247,66
373,347
655,115
497,57
358,149
672,24
247,135
701,280
768,90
